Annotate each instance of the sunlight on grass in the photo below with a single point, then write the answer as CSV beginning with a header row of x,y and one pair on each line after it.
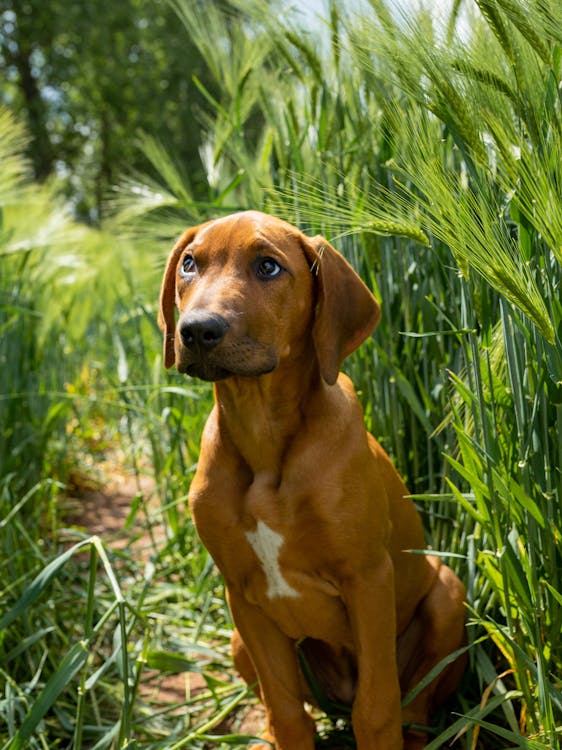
x,y
432,160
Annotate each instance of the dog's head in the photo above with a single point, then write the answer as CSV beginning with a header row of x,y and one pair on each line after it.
x,y
249,289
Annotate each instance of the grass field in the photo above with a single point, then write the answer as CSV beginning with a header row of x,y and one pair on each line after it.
x,y
434,163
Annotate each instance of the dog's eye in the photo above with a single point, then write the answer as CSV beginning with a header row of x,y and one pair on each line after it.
x,y
188,266
267,268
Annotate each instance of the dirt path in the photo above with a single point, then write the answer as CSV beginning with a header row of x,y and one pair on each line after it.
x,y
103,509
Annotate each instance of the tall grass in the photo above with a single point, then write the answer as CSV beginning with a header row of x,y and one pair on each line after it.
x,y
81,626
397,128
431,157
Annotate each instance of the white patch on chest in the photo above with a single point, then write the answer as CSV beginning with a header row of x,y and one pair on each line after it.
x,y
266,543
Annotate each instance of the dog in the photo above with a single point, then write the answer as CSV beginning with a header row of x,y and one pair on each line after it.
x,y
299,506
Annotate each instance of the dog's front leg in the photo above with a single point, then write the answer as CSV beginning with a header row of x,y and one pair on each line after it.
x,y
376,713
274,657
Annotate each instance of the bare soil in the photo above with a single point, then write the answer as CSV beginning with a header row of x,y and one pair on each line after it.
x,y
103,508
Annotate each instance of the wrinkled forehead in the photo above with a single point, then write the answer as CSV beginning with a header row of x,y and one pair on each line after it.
x,y
249,233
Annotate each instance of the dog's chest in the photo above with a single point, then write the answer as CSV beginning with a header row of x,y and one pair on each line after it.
x,y
283,579
266,544
277,552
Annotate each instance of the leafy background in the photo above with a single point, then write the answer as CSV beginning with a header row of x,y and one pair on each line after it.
x,y
428,148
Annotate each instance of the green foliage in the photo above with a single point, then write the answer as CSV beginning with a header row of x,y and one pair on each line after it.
x,y
87,78
430,154
80,355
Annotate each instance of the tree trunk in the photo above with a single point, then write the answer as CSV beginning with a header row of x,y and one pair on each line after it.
x,y
41,151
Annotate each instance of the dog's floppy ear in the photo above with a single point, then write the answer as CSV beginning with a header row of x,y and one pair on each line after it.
x,y
166,311
346,311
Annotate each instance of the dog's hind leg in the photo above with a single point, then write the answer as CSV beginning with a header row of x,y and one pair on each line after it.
x,y
436,631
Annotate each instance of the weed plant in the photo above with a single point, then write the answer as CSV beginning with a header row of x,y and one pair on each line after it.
x,y
429,152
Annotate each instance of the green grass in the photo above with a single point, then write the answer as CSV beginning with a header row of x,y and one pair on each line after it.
x,y
433,163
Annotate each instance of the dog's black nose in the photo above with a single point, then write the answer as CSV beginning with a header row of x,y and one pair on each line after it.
x,y
200,330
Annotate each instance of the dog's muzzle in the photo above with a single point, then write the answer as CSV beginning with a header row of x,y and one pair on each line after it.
x,y
201,332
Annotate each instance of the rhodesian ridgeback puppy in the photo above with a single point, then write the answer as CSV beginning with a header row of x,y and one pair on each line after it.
x,y
300,507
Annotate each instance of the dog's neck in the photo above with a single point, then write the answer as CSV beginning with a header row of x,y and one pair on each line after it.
x,y
262,415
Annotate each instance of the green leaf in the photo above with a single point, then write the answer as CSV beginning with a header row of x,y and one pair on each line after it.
x,y
434,672
40,584
69,667
472,717
166,661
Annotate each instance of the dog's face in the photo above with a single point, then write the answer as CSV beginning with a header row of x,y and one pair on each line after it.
x,y
244,295
251,290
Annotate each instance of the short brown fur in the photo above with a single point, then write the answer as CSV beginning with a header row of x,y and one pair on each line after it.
x,y
299,506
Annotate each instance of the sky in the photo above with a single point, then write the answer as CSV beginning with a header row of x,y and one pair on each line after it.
x,y
311,10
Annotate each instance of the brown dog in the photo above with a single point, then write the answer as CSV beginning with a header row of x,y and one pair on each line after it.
x,y
299,506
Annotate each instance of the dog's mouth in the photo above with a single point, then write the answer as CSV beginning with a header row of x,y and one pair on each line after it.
x,y
213,374
212,368
204,372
